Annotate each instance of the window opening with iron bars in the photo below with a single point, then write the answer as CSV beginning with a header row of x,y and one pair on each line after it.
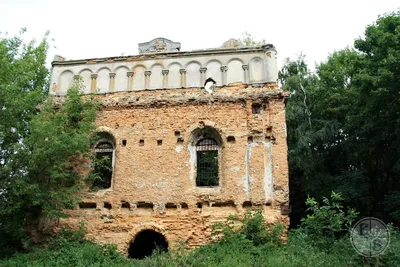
x,y
103,164
207,162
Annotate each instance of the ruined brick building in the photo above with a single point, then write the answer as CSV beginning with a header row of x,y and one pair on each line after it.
x,y
181,156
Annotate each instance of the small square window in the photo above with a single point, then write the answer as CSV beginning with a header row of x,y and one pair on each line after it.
x,y
231,139
269,131
125,205
159,142
256,108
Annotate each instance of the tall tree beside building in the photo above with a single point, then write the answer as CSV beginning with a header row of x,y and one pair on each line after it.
x,y
39,151
344,126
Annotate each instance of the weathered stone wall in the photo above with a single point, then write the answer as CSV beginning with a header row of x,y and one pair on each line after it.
x,y
153,185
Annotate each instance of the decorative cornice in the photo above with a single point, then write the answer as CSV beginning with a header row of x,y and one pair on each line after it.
x,y
245,67
129,73
183,54
165,72
147,73
112,74
93,76
182,71
77,77
202,70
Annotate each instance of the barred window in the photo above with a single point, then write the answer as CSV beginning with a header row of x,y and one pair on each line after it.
x,y
103,167
104,147
207,162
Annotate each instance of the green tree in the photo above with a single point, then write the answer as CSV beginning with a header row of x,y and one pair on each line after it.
x,y
297,78
343,123
41,152
23,80
377,114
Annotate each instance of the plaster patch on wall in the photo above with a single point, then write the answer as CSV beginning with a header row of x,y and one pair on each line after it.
x,y
235,169
284,129
192,161
268,178
247,178
252,145
179,148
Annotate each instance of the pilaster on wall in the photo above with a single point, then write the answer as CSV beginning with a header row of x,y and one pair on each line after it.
x,y
112,81
260,151
165,78
280,162
224,69
246,73
203,75
130,80
147,74
183,77
93,83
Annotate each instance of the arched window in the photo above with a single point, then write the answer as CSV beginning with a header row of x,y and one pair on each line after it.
x,y
207,151
104,161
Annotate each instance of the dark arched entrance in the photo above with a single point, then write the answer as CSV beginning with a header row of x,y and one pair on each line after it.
x,y
145,243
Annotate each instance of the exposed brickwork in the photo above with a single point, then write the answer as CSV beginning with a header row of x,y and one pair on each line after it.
x,y
153,185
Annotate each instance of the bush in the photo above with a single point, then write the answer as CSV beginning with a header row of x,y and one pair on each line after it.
x,y
237,242
251,228
326,223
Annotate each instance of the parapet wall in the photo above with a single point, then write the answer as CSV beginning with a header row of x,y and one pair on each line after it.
x,y
167,70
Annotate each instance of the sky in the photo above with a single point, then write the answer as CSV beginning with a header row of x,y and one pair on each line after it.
x,y
91,29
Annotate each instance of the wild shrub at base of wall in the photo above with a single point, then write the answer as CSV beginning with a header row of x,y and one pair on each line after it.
x,y
245,242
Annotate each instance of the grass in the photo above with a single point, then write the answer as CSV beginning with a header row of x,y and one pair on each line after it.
x,y
296,252
235,248
320,241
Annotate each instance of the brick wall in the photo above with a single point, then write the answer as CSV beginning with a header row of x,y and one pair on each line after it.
x,y
154,176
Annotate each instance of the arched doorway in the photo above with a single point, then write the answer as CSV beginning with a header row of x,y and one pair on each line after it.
x,y
145,243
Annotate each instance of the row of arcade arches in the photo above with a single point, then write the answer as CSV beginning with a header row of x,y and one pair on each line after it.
x,y
235,72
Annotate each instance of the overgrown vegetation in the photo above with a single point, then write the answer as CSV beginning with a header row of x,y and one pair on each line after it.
x,y
239,242
40,152
249,40
343,124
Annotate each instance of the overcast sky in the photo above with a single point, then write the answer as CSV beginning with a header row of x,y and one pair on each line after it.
x,y
88,29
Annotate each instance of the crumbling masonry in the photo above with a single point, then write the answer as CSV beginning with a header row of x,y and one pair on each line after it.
x,y
181,157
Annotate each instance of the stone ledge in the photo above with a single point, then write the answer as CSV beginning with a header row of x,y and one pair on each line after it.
x,y
172,97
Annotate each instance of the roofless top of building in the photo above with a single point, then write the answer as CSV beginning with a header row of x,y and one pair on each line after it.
x,y
161,65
